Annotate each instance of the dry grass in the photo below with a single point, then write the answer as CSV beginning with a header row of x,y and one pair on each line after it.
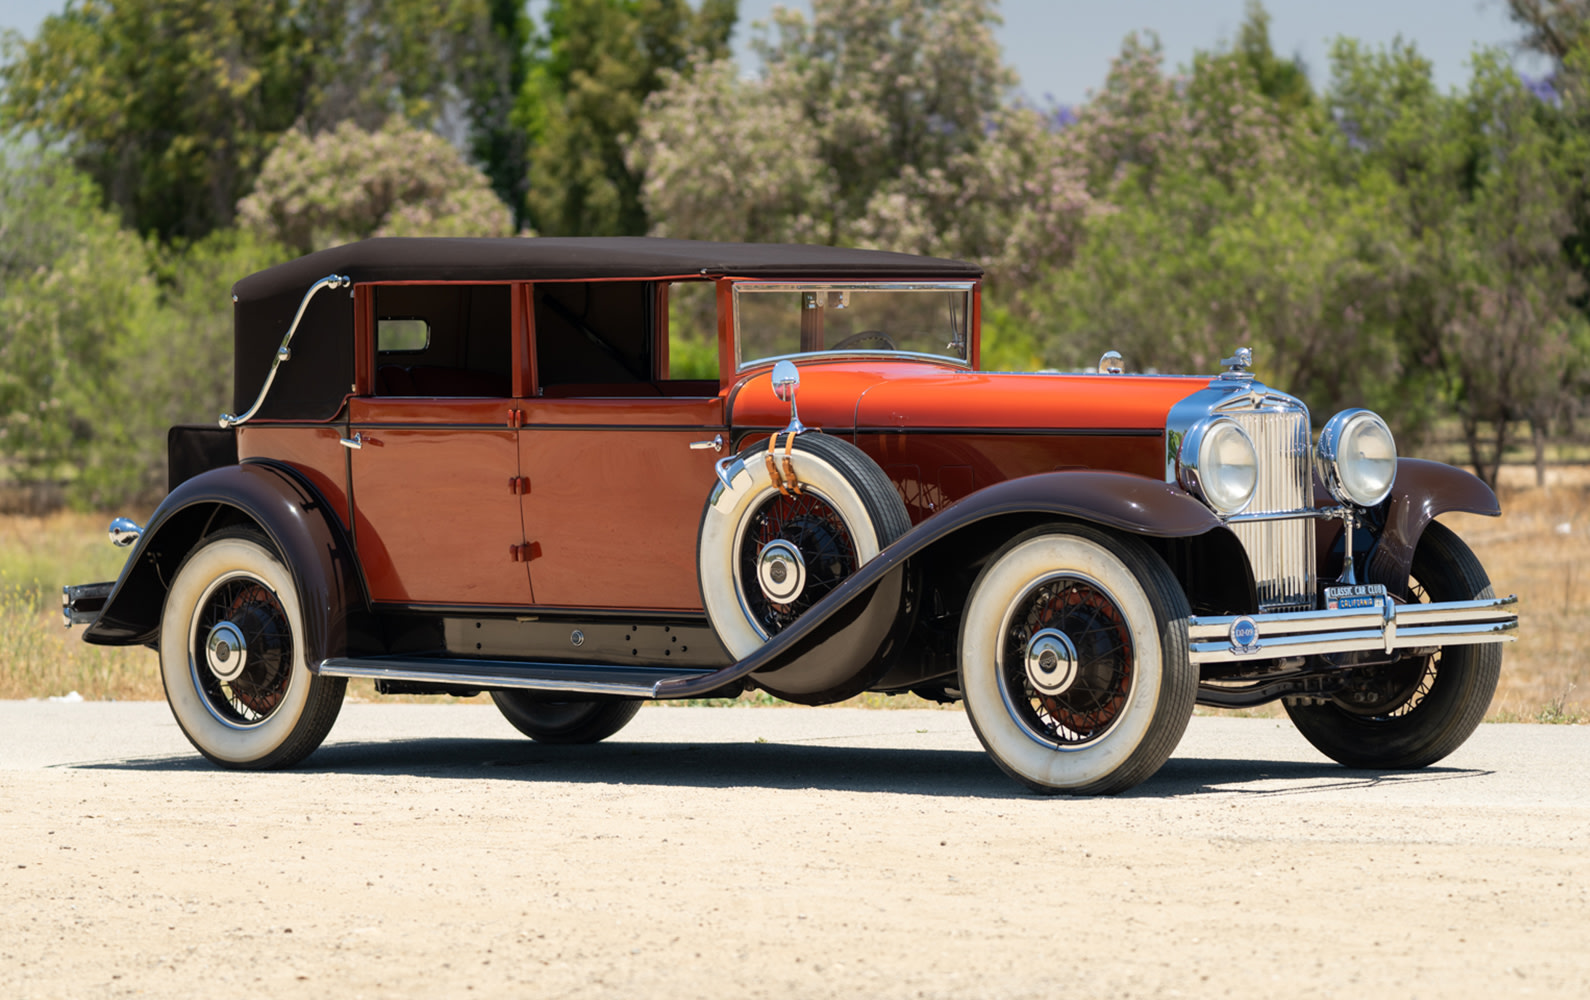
x,y
1539,549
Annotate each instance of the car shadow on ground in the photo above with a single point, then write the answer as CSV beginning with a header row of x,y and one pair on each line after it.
x,y
955,773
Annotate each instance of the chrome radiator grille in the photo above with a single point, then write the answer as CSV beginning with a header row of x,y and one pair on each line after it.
x,y
1281,552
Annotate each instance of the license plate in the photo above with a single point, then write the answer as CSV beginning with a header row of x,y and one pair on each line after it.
x,y
1363,595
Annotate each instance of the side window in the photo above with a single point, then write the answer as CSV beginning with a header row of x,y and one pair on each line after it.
x,y
595,337
443,340
402,335
693,331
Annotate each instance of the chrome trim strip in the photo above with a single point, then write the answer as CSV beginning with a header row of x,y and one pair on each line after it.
x,y
558,678
1389,627
283,352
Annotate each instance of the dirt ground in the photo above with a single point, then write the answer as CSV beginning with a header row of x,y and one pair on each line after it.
x,y
428,851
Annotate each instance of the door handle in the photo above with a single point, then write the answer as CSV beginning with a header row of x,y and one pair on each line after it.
x,y
356,442
716,444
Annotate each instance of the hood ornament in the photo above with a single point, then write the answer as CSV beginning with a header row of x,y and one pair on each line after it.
x,y
1240,363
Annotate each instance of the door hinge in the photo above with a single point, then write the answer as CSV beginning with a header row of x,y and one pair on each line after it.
x,y
519,485
524,552
516,418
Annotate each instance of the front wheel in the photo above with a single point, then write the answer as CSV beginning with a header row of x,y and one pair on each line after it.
x,y
232,657
548,721
1415,711
1073,660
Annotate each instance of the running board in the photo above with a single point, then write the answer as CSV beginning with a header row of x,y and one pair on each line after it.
x,y
557,678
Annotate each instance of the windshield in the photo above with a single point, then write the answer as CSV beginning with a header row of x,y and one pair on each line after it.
x,y
775,320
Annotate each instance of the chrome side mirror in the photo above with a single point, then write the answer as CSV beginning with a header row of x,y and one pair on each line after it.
x,y
786,380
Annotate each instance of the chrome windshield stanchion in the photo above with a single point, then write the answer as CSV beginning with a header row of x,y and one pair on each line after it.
x,y
284,352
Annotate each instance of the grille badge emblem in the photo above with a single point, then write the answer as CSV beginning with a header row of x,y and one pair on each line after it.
x,y
1244,635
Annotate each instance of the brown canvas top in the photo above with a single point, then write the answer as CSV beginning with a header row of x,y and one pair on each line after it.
x,y
571,258
312,385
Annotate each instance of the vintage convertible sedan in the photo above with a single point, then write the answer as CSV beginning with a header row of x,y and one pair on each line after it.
x,y
581,474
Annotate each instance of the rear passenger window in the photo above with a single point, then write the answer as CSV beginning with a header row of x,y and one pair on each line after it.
x,y
402,336
444,340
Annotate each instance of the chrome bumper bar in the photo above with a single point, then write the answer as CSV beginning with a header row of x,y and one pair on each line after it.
x,y
1387,628
81,603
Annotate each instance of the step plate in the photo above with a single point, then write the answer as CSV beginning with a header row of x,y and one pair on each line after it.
x,y
559,678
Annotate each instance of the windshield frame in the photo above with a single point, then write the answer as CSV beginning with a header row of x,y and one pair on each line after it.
x,y
969,333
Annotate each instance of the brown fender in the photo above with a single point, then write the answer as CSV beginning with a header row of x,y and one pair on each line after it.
x,y
1423,490
833,628
292,515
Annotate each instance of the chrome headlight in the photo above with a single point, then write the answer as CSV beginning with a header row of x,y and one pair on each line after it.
x,y
1219,464
1357,457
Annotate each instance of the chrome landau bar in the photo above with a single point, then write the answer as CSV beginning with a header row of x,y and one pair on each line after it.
x,y
1389,627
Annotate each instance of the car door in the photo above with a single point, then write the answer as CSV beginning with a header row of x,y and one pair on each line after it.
x,y
615,489
614,499
434,461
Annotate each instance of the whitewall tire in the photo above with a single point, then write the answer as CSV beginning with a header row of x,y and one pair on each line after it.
x,y
232,657
764,557
1073,660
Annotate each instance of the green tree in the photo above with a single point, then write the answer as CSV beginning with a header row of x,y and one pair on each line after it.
x,y
592,65
63,327
106,339
171,106
498,144
348,184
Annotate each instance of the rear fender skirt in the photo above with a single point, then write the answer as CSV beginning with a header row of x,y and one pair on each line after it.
x,y
292,515
832,645
1423,490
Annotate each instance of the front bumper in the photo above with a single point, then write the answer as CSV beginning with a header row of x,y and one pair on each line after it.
x,y
1388,628
81,603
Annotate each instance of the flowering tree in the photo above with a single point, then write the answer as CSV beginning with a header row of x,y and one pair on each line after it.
x,y
348,184
877,123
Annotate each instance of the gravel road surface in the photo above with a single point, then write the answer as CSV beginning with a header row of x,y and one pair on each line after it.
x,y
429,851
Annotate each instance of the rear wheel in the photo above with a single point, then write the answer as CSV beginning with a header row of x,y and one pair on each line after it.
x,y
232,657
1073,660
548,721
1415,711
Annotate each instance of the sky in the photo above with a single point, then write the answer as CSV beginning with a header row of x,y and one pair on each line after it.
x,y
1062,48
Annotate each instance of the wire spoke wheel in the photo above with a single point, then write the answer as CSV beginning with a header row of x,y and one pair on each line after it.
x,y
1418,709
770,549
1074,662
1089,706
243,606
810,523
232,657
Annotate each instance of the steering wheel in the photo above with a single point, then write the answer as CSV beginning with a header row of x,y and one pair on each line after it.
x,y
877,336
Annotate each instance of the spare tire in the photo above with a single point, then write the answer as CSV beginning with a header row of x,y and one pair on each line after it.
x,y
766,555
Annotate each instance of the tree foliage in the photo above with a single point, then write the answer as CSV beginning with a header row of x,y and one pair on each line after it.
x,y
592,65
349,184
171,106
106,339
875,123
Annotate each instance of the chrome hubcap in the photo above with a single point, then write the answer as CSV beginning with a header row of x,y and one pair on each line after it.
x,y
1051,660
780,571
225,651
